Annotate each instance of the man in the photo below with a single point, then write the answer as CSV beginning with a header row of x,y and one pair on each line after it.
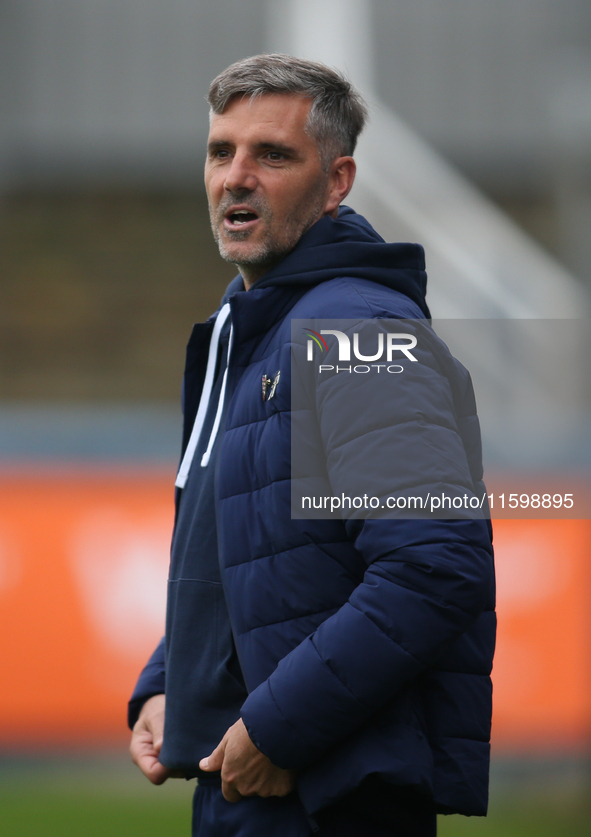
x,y
326,676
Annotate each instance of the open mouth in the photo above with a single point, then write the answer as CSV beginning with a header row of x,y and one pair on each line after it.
x,y
240,218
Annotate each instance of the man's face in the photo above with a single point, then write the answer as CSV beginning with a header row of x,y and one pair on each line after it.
x,y
264,180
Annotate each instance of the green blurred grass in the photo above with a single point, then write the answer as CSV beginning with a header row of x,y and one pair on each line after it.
x,y
89,798
42,814
109,798
538,816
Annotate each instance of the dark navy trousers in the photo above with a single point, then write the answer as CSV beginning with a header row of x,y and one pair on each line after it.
x,y
373,810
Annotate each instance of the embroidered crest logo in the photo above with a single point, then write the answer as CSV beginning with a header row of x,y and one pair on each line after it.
x,y
269,385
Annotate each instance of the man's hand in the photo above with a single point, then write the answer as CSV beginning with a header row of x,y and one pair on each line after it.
x,y
245,770
146,741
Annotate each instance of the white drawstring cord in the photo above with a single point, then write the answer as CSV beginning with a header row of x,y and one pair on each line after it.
x,y
218,415
205,396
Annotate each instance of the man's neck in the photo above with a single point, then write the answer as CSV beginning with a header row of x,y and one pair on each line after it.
x,y
251,273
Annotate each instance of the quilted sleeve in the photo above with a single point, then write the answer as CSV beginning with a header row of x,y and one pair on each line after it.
x,y
150,682
426,580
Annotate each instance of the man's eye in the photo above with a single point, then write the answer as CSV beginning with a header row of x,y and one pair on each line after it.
x,y
275,156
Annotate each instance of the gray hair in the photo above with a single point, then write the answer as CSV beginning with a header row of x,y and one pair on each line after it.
x,y
337,115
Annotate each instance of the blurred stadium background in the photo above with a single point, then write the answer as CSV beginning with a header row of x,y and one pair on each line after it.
x,y
480,147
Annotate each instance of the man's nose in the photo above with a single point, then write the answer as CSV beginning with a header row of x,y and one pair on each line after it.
x,y
241,176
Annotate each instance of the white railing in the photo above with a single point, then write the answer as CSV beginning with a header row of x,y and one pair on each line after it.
x,y
480,263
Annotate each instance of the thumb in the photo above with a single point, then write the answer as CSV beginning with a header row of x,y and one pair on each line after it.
x,y
157,743
215,760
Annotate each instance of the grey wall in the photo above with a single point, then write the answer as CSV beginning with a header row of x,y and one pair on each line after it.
x,y
494,85
113,89
96,89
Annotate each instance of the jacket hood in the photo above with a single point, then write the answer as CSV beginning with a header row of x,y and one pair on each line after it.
x,y
348,246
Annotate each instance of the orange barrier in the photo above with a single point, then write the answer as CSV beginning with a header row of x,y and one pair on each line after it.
x,y
542,670
83,565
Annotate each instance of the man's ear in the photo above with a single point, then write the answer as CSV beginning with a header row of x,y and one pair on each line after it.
x,y
341,177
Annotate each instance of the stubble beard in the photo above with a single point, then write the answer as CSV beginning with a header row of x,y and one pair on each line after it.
x,y
276,243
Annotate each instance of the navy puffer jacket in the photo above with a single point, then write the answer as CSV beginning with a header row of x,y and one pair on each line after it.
x,y
366,646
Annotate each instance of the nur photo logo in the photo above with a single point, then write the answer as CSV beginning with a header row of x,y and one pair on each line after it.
x,y
384,353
